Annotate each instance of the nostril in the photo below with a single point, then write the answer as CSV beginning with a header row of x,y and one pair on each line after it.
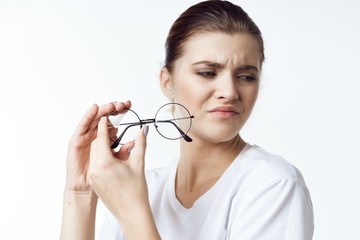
x,y
228,94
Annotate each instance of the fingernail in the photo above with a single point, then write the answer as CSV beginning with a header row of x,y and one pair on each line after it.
x,y
130,149
146,130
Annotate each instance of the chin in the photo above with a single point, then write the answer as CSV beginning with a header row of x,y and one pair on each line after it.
x,y
218,136
211,132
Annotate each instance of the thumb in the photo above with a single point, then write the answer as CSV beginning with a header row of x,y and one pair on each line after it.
x,y
138,153
102,139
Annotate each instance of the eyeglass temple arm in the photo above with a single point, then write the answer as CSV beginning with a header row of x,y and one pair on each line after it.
x,y
147,121
117,141
142,122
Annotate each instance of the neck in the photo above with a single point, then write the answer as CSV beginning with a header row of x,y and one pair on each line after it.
x,y
202,162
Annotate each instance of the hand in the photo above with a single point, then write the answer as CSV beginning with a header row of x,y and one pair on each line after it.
x,y
120,184
80,144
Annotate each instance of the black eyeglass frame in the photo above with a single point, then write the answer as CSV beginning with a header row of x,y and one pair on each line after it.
x,y
142,122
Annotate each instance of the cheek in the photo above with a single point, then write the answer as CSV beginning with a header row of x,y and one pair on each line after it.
x,y
249,96
190,92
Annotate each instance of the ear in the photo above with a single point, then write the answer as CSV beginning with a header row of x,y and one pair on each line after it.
x,y
166,83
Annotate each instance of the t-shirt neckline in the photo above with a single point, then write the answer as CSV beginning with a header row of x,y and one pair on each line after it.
x,y
202,200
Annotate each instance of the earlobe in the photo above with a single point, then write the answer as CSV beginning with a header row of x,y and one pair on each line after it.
x,y
166,83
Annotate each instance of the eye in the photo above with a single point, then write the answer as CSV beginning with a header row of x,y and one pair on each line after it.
x,y
207,74
247,78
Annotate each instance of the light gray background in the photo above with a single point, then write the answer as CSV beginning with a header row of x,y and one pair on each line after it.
x,y
59,57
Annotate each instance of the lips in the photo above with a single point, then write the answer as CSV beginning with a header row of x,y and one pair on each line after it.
x,y
225,111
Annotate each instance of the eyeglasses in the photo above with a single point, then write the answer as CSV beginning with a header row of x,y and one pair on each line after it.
x,y
172,121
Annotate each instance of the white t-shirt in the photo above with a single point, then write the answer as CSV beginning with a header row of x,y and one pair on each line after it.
x,y
259,196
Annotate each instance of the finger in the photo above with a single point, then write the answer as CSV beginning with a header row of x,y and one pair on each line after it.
x,y
120,106
102,139
104,110
108,109
112,132
85,122
125,151
138,154
116,118
112,135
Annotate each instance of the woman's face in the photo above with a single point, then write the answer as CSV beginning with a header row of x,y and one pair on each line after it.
x,y
217,79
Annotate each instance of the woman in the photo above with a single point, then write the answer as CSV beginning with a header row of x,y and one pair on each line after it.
x,y
221,187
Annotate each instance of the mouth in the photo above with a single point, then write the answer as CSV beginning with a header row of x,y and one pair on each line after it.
x,y
225,111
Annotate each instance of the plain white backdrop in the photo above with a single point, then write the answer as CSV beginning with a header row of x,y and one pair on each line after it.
x,y
59,57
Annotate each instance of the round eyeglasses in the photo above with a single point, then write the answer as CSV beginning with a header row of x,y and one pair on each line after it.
x,y
172,121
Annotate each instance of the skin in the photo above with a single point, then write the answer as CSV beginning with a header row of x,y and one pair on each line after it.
x,y
95,171
219,87
217,79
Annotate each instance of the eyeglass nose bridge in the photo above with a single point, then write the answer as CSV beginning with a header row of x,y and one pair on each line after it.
x,y
147,121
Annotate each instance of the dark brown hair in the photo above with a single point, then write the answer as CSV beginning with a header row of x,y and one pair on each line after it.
x,y
209,16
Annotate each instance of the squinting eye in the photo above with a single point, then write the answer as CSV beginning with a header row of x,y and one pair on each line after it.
x,y
207,74
247,78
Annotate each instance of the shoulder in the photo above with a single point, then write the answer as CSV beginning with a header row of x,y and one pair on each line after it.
x,y
272,193
264,165
267,177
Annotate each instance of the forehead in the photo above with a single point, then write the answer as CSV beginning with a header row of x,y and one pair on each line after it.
x,y
233,49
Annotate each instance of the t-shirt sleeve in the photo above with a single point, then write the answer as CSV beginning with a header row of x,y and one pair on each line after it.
x,y
280,209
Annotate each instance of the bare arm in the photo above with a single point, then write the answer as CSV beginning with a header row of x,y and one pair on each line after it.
x,y
140,224
79,211
79,206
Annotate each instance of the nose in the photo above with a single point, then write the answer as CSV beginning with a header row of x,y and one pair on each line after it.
x,y
226,88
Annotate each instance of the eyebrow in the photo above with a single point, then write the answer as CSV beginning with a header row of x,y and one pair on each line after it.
x,y
208,63
218,65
